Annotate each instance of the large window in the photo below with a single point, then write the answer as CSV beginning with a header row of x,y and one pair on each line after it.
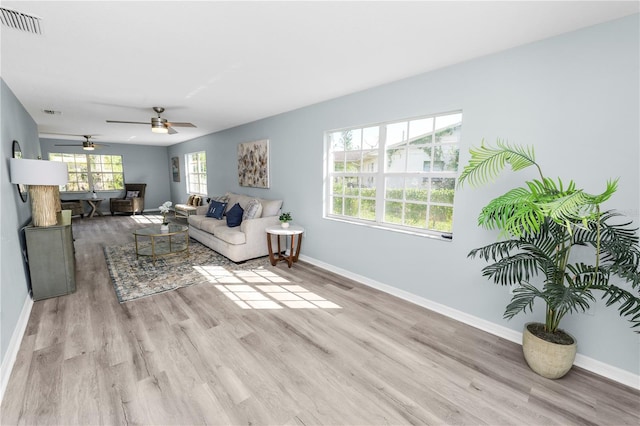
x,y
196,172
400,175
89,171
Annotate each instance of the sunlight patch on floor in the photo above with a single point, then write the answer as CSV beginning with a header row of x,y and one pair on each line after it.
x,y
220,274
147,218
256,289
247,296
217,274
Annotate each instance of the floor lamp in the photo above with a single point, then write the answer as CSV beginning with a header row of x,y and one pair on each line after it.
x,y
43,178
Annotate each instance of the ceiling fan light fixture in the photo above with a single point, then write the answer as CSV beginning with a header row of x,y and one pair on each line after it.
x,y
88,148
158,126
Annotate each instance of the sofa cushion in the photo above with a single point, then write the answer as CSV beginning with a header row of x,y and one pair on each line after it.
x,y
230,235
197,220
132,194
204,223
252,210
222,198
241,199
211,225
270,207
234,216
232,200
216,209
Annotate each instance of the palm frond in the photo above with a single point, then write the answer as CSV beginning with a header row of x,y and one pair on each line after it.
x,y
575,205
494,251
583,276
513,269
486,162
629,304
523,298
618,243
517,260
514,212
567,299
628,273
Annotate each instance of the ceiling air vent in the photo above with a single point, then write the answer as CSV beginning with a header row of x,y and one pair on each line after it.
x,y
20,21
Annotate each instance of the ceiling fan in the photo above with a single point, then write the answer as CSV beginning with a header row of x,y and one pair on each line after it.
x,y
87,145
158,124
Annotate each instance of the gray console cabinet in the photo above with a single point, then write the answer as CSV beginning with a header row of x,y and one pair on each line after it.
x,y
51,260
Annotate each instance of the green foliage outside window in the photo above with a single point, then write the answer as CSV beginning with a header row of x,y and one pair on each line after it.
x,y
416,215
106,172
87,172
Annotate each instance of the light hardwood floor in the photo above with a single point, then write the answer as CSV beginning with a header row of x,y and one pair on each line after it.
x,y
192,356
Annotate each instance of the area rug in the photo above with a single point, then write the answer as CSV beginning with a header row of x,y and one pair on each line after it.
x,y
135,278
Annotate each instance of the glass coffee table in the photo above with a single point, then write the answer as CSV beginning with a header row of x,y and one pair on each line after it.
x,y
162,243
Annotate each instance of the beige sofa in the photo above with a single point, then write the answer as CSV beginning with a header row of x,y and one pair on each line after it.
x,y
240,243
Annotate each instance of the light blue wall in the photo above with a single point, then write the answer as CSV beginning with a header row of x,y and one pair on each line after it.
x,y
575,97
142,164
16,124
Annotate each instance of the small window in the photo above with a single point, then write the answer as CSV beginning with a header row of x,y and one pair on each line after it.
x,y
400,175
196,165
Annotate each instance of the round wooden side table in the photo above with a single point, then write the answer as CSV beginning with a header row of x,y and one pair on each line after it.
x,y
294,250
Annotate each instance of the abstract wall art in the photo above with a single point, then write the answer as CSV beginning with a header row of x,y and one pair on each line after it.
x,y
253,164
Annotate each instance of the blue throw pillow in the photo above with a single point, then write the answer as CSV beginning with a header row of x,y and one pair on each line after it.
x,y
234,216
216,209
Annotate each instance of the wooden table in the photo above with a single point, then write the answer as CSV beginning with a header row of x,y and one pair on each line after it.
x,y
162,249
94,203
294,250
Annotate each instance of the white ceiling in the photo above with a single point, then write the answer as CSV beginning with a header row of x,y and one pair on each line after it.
x,y
222,64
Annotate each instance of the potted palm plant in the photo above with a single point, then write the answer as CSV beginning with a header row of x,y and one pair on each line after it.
x,y
541,225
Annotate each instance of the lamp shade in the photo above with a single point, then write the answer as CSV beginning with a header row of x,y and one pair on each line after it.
x,y
38,172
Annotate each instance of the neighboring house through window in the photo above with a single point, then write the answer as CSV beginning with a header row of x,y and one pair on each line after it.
x,y
196,165
400,175
91,172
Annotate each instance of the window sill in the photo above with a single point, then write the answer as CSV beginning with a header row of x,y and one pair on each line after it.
x,y
433,235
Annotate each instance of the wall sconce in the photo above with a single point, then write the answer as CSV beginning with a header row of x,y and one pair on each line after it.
x,y
43,178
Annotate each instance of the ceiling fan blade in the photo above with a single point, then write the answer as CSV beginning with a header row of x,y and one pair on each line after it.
x,y
69,134
174,124
171,130
69,144
128,122
93,145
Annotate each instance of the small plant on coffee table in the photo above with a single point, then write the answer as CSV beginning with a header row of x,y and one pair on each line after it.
x,y
164,209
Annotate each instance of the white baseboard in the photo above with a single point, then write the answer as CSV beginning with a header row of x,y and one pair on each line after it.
x,y
14,345
616,374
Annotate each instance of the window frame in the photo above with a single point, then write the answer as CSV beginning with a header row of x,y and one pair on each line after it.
x,y
90,172
380,173
195,159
